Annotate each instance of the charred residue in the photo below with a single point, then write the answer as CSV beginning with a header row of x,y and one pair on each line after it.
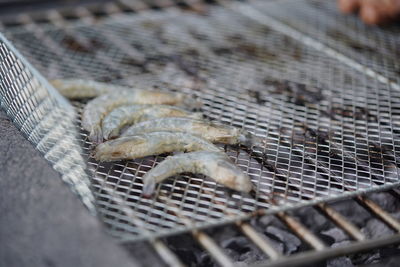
x,y
240,46
346,40
132,62
191,68
111,76
195,7
262,159
293,47
257,96
297,93
235,38
197,35
342,111
92,45
327,155
148,24
189,62
255,51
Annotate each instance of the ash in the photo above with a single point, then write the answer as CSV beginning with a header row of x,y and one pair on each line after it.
x,y
244,252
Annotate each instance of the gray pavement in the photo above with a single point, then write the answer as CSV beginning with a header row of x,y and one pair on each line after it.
x,y
42,223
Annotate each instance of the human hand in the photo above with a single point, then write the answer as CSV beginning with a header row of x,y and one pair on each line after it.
x,y
372,11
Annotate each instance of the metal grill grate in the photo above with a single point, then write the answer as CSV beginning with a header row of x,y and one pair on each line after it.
x,y
331,131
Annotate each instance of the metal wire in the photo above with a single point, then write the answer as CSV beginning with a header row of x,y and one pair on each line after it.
x,y
44,117
329,129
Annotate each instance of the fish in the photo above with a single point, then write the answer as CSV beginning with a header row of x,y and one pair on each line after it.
x,y
215,165
77,89
131,114
155,143
96,109
211,131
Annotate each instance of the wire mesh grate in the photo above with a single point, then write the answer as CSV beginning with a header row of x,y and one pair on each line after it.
x,y
329,130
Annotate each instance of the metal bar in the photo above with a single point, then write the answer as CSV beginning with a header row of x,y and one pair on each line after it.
x,y
259,240
341,221
378,211
166,254
215,251
302,231
204,240
316,256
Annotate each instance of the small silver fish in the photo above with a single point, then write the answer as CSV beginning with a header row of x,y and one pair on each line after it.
x,y
139,146
127,115
211,131
215,165
99,107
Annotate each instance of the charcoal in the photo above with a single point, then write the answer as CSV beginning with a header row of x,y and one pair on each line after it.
x,y
270,220
186,249
251,257
280,247
187,256
342,243
206,261
290,241
356,259
336,233
386,201
353,212
326,239
312,219
389,252
232,254
396,215
365,258
375,228
339,262
239,244
222,233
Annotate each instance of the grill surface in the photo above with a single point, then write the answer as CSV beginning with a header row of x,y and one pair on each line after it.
x,y
323,139
330,130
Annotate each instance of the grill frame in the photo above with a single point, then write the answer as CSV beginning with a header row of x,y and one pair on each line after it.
x,y
201,237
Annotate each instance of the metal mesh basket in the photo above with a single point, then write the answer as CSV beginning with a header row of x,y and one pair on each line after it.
x,y
330,126
44,117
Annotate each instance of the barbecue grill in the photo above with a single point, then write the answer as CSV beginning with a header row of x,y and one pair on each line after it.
x,y
313,84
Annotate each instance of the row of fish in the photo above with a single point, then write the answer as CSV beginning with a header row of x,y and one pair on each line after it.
x,y
157,122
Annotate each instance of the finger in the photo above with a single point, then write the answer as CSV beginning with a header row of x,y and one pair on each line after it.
x,y
379,12
349,6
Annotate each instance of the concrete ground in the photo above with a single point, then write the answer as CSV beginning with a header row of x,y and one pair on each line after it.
x,y
42,223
